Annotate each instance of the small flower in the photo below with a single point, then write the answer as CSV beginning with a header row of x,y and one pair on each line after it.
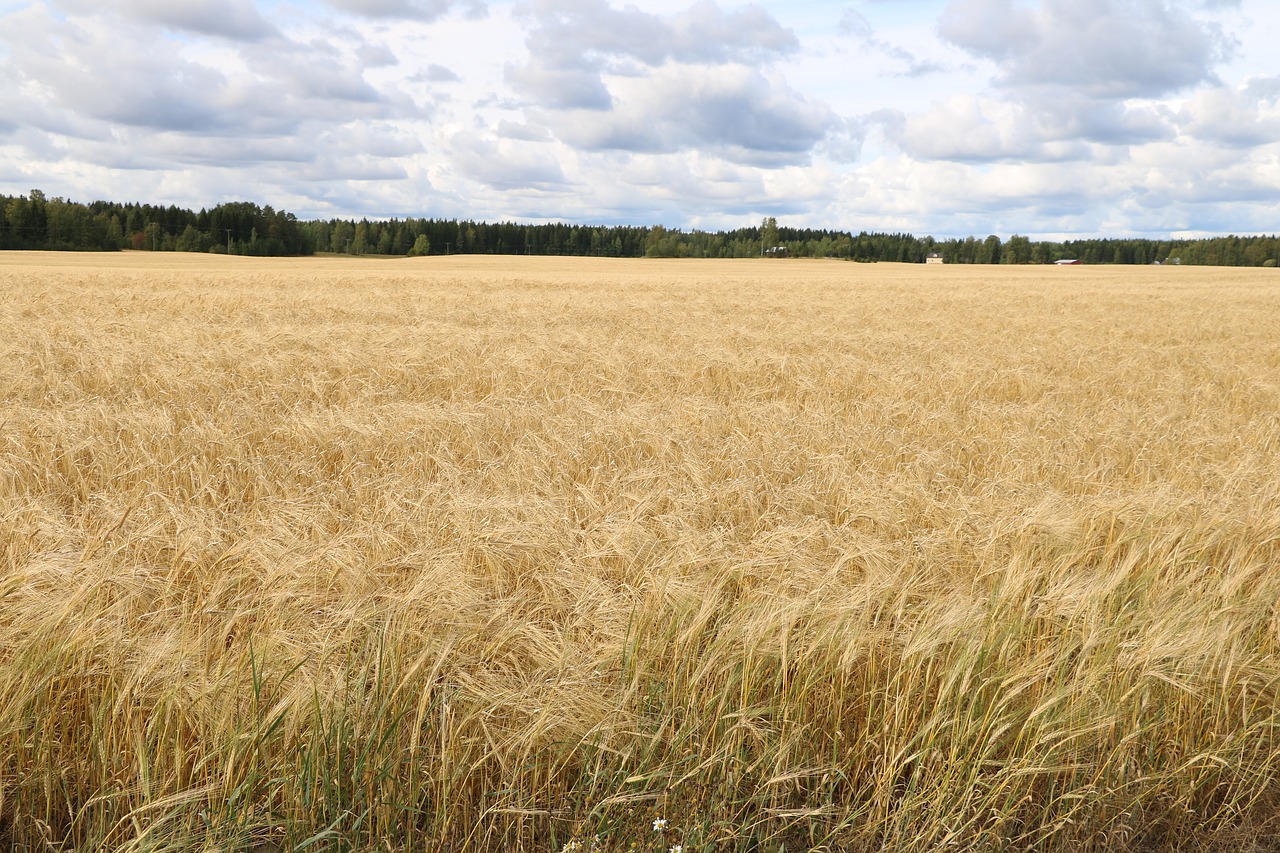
x,y
659,824
676,849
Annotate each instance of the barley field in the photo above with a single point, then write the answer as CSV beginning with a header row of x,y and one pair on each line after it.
x,y
528,554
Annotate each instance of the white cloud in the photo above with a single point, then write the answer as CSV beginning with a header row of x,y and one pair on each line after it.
x,y
964,129
1072,80
731,109
856,26
1239,118
1098,48
560,88
572,44
422,10
232,19
436,73
604,78
94,74
505,164
591,33
1050,116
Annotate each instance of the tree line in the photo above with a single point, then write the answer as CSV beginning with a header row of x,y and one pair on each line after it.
x,y
34,221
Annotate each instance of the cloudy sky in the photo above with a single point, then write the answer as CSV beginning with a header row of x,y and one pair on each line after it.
x,y
946,117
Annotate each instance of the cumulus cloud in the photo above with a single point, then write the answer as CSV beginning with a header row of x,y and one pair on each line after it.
x,y
560,88
375,56
436,73
972,129
1102,48
155,150
523,130
1072,117
316,71
854,24
421,10
505,164
93,77
731,109
610,79
573,42
711,182
1070,76
94,73
231,19
1238,118
379,140
964,128
107,102
1157,188
589,33
958,199
1054,115
1190,178
694,188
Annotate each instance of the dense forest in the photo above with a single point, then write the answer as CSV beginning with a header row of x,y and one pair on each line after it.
x,y
34,221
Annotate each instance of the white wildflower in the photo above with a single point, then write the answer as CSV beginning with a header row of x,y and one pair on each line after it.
x,y
659,824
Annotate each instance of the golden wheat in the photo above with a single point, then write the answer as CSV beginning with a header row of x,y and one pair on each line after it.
x,y
504,553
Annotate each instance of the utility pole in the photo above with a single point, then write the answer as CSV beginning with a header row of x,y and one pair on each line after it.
x,y
228,230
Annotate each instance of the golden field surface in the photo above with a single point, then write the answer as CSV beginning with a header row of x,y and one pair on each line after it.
x,y
495,553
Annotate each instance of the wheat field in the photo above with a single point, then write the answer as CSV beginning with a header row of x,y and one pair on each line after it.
x,y
533,554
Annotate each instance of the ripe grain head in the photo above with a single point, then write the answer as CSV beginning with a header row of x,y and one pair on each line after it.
x,y
477,550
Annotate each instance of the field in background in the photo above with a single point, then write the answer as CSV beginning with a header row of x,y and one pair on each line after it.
x,y
505,553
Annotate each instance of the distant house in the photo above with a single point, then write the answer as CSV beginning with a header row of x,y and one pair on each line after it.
x,y
934,258
777,252
1067,262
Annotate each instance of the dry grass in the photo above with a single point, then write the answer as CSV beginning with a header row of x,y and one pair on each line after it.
x,y
498,553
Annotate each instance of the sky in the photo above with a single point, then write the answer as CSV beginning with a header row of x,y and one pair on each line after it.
x,y
1046,118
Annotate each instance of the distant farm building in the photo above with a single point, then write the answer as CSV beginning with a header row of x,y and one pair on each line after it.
x,y
777,252
1067,262
934,258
